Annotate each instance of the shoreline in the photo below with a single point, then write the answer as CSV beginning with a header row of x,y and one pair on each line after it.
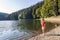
x,y
53,20
51,35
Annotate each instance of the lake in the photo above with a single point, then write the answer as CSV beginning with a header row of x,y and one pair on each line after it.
x,y
9,30
12,30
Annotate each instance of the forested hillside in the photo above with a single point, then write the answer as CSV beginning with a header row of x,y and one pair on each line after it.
x,y
45,8
27,13
30,13
50,8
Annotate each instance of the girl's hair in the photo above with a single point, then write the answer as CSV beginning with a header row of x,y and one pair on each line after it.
x,y
42,18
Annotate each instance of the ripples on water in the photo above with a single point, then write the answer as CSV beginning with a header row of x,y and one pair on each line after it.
x,y
9,31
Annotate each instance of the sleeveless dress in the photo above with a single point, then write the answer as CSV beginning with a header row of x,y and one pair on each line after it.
x,y
43,24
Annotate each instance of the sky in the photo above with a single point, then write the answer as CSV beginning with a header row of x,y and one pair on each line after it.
x,y
9,6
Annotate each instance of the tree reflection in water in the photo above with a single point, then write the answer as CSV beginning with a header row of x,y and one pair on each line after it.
x,y
35,25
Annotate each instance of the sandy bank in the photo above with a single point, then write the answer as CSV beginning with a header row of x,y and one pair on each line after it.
x,y
54,34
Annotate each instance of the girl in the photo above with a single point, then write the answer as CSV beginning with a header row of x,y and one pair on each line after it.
x,y
43,25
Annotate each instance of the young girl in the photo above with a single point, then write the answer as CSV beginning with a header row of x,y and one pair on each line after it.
x,y
43,25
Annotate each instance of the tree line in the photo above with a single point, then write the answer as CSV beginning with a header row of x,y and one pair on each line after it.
x,y
45,8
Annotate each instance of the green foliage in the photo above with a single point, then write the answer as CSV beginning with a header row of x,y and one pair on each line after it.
x,y
38,14
31,12
59,6
48,8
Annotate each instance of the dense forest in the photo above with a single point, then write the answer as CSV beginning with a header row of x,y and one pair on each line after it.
x,y
45,8
50,8
27,13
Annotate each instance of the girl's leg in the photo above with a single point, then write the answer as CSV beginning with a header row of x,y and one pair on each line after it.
x,y
43,30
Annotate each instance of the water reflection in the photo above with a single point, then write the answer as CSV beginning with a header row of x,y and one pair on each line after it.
x,y
30,24
35,25
11,30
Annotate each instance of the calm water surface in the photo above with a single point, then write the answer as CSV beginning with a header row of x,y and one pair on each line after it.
x,y
30,24
11,30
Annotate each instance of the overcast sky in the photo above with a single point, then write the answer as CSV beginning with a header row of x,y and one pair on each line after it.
x,y
9,6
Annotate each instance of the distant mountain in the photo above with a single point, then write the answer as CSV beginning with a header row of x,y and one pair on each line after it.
x,y
3,16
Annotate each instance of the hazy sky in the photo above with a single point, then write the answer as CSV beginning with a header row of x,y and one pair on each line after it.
x,y
9,6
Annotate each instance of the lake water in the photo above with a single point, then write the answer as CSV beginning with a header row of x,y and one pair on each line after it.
x,y
35,25
12,30
9,30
